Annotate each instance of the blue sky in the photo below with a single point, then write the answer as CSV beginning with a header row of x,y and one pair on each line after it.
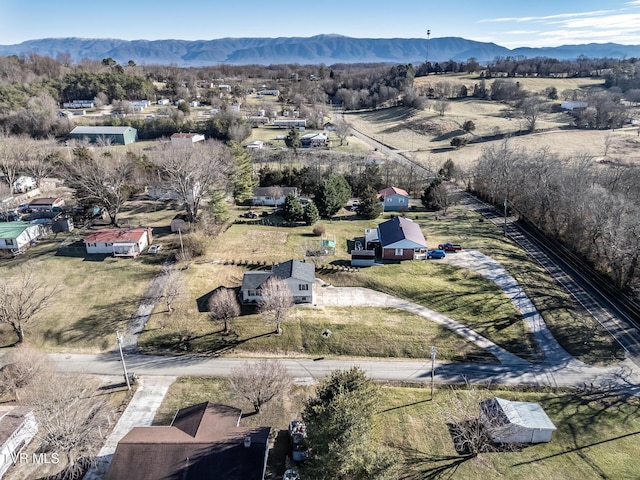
x,y
510,23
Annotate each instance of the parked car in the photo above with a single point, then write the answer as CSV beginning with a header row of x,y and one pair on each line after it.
x,y
436,254
153,249
299,446
450,247
354,206
250,214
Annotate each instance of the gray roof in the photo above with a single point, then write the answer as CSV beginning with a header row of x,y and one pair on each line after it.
x,y
295,269
268,191
524,414
253,280
99,130
398,229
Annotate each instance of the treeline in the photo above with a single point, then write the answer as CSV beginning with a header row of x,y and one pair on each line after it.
x,y
590,207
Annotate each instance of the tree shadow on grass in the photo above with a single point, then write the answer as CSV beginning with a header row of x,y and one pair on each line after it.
x,y
425,466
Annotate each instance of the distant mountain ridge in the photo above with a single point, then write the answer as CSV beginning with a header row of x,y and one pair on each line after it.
x,y
326,49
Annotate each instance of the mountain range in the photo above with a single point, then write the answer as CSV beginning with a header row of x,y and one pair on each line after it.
x,y
319,49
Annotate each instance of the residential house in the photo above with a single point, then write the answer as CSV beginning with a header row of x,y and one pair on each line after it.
x,y
119,242
271,196
401,239
164,101
256,145
314,140
394,199
203,441
48,204
275,93
515,422
288,123
298,275
16,237
186,138
18,426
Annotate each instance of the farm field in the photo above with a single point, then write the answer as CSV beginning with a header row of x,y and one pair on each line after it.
x,y
596,436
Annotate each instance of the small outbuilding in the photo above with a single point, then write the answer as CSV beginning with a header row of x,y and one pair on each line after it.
x,y
515,422
96,134
363,258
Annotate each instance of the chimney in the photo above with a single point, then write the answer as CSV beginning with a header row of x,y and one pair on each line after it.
x,y
247,441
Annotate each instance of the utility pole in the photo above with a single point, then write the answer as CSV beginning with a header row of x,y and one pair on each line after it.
x,y
426,58
124,366
505,216
433,360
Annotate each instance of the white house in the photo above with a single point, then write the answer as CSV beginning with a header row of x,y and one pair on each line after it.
x,y
18,426
119,242
256,144
271,196
569,105
298,275
164,101
186,138
275,93
288,123
314,140
515,422
16,237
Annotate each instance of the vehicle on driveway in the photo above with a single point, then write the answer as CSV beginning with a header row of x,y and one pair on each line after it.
x,y
299,446
153,249
436,254
291,474
450,247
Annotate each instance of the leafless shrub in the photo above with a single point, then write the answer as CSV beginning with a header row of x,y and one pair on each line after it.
x,y
23,365
276,302
224,307
260,382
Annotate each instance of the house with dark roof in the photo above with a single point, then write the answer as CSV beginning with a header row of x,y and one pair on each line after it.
x,y
401,239
203,441
118,242
298,275
394,199
18,426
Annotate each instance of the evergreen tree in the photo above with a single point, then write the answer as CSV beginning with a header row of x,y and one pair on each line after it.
x,y
242,176
331,195
342,434
292,208
310,214
293,139
218,207
436,196
369,206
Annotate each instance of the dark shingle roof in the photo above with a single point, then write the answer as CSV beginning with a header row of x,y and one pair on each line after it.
x,y
295,269
253,280
399,228
204,441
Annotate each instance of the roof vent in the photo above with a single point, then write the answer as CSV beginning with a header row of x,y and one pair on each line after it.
x,y
247,441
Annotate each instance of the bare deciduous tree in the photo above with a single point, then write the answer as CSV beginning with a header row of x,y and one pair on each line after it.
x,y
260,382
173,287
22,366
224,307
342,129
22,297
70,417
192,173
106,180
276,302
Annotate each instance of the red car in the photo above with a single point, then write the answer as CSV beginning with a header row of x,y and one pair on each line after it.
x,y
450,247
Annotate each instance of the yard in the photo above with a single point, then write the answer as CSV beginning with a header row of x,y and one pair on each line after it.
x,y
596,438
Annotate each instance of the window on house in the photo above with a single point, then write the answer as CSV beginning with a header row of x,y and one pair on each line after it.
x,y
303,287
9,241
398,252
107,244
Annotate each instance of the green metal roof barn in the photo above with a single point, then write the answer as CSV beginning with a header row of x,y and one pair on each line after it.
x,y
116,135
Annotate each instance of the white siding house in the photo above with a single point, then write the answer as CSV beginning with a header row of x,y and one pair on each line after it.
x,y
298,275
16,237
119,242
271,196
186,138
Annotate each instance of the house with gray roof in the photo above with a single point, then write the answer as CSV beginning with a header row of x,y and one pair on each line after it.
x,y
105,134
298,275
401,239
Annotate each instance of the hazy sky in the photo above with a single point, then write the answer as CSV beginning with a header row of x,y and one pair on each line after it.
x,y
510,23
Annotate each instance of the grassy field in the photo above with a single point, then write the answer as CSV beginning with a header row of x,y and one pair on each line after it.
x,y
96,295
596,438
